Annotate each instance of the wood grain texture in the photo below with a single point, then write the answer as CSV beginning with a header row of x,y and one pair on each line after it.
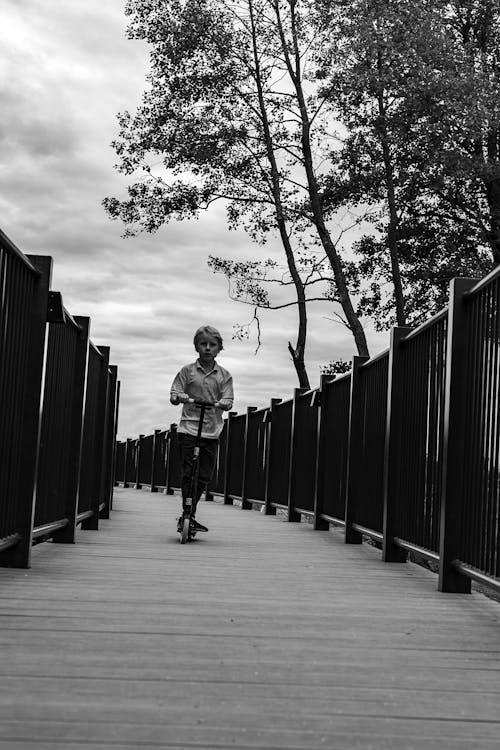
x,y
260,634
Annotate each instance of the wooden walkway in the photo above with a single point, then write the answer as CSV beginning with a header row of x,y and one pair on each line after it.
x,y
262,634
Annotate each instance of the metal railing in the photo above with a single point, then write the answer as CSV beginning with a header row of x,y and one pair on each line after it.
x,y
255,456
479,506
403,450
333,449
58,401
236,429
373,418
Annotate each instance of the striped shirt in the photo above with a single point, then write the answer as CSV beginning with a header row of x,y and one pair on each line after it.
x,y
204,386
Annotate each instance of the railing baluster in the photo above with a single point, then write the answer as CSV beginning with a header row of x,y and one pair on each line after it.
x,y
154,459
294,461
454,437
67,534
392,455
321,455
228,500
245,505
354,453
269,509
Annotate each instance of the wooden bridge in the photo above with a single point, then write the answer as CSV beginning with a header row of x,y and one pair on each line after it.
x,y
260,634
267,632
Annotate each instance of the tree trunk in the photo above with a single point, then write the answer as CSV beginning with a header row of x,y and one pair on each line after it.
x,y
298,354
353,321
392,242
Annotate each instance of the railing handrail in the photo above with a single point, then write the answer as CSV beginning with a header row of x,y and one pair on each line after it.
x,y
374,359
11,247
71,319
95,349
437,318
479,286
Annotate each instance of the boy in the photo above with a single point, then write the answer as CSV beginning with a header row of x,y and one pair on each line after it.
x,y
203,380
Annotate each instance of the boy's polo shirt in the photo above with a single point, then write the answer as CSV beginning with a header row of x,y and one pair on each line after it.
x,y
204,386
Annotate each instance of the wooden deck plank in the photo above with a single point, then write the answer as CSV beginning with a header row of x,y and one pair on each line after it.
x,y
262,634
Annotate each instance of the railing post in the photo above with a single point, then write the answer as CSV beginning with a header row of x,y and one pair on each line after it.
x,y
67,535
245,505
169,458
138,461
269,510
293,516
128,448
227,499
109,442
396,393
19,556
101,453
319,489
209,495
117,408
119,449
156,448
454,438
92,523
354,452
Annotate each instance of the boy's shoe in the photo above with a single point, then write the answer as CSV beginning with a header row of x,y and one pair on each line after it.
x,y
197,526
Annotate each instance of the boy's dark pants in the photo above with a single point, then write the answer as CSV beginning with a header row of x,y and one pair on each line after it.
x,y
208,457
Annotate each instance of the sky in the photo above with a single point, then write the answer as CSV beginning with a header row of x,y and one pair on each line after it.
x,y
66,70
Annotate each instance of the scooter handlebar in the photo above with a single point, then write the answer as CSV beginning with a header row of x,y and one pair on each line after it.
x,y
206,404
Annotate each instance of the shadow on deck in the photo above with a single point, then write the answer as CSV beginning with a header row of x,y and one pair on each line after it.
x,y
260,634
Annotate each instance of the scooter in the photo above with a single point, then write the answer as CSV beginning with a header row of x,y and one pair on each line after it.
x,y
187,533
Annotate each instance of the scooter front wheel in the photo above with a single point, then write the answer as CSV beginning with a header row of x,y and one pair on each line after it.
x,y
185,530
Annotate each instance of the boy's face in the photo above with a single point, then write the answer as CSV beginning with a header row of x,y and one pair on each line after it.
x,y
207,347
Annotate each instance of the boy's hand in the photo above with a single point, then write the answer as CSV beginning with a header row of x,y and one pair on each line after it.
x,y
224,404
180,398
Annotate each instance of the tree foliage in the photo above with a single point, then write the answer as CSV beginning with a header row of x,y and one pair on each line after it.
x,y
297,113
416,87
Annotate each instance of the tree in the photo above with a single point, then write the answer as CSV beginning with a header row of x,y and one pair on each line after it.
x,y
468,175
408,94
225,127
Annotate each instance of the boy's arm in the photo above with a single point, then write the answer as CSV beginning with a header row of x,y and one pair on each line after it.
x,y
227,396
178,394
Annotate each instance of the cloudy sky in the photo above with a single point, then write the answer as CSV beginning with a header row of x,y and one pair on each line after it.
x,y
67,69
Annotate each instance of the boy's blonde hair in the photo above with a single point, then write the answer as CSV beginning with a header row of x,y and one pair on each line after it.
x,y
207,331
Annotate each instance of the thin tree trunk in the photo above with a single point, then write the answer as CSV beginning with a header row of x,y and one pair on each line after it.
x,y
297,352
353,320
298,361
392,242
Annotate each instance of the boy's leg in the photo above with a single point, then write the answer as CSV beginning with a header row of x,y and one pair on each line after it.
x,y
186,444
208,458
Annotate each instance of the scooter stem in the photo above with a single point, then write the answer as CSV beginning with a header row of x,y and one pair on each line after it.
x,y
200,423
